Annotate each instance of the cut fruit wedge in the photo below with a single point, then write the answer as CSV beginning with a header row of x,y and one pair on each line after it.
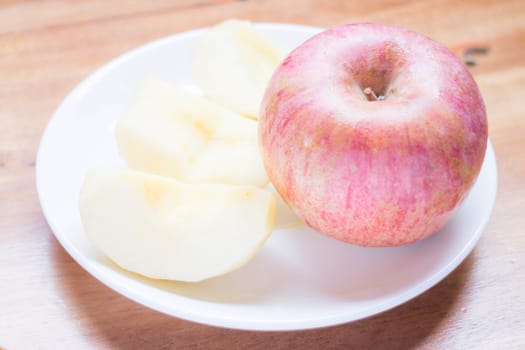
x,y
284,216
162,228
232,64
169,131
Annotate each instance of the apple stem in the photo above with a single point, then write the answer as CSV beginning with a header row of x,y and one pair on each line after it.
x,y
371,95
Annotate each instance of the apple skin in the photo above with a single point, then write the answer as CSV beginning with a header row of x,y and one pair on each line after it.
x,y
373,173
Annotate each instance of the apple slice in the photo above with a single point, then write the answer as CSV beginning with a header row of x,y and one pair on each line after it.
x,y
284,216
232,63
169,131
162,228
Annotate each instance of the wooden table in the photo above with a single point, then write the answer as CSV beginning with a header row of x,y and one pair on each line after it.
x,y
47,47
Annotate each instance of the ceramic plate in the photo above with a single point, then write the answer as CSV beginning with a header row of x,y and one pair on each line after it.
x,y
299,279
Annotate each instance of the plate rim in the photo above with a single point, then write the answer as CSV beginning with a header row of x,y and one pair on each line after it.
x,y
391,302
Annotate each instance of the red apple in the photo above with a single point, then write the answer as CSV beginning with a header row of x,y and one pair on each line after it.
x,y
373,134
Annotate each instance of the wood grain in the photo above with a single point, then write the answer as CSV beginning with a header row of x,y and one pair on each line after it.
x,y
48,301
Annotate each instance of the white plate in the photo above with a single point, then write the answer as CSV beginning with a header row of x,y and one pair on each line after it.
x,y
299,279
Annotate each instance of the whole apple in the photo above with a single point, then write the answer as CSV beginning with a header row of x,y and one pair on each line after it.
x,y
373,134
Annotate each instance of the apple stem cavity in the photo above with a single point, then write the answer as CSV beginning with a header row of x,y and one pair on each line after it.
x,y
371,95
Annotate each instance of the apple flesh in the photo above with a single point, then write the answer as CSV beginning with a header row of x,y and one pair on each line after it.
x,y
232,63
162,228
285,218
171,132
373,134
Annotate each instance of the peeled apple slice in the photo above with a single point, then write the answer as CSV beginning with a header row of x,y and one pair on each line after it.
x,y
284,216
162,228
232,63
169,131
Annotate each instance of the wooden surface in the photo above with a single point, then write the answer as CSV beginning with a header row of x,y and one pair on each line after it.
x,y
48,301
